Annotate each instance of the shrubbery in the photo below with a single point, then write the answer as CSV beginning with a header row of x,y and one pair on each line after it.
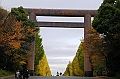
x,y
5,73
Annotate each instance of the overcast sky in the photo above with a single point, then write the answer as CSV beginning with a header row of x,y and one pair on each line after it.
x,y
60,44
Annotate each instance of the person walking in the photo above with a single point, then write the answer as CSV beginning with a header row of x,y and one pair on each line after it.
x,y
17,74
60,73
21,74
26,74
57,73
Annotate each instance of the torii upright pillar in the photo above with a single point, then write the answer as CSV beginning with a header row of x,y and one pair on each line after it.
x,y
87,14
88,72
31,53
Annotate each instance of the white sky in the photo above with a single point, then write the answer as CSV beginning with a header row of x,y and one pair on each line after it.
x,y
60,44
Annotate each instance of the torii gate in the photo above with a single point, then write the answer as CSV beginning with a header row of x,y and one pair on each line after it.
x,y
87,14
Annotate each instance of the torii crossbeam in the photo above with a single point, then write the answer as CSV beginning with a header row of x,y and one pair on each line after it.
x,y
87,14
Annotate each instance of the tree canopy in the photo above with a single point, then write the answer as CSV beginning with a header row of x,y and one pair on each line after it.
x,y
76,67
107,22
11,35
17,32
43,69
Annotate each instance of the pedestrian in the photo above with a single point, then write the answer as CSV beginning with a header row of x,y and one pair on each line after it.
x,y
17,74
60,73
25,74
57,73
21,74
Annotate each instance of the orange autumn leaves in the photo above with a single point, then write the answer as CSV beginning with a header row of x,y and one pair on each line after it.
x,y
12,31
12,35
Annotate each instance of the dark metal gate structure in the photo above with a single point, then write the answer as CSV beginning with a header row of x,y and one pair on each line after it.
x,y
87,14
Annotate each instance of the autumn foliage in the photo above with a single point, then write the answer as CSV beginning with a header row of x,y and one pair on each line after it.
x,y
43,68
96,51
13,34
76,67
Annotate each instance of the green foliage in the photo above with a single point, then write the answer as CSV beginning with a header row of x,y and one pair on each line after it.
x,y
69,70
9,40
4,73
77,66
78,62
43,68
39,51
81,56
97,55
22,15
15,38
29,29
107,22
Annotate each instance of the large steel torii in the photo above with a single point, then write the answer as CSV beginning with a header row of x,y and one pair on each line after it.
x,y
87,14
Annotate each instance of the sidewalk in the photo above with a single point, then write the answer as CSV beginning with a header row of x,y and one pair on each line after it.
x,y
8,77
105,77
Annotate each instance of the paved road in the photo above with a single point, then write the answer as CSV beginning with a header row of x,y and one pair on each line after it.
x,y
56,77
8,77
64,77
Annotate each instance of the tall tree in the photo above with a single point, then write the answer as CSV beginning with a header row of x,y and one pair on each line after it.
x,y
31,34
76,67
78,62
107,22
80,52
96,46
43,68
29,28
10,40
39,51
16,34
69,70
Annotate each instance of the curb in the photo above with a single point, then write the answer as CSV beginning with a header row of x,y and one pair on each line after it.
x,y
11,76
105,77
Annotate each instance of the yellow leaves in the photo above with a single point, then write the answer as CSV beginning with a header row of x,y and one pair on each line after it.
x,y
15,35
18,28
30,31
22,62
15,44
11,32
14,38
93,46
8,52
43,67
19,58
75,67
